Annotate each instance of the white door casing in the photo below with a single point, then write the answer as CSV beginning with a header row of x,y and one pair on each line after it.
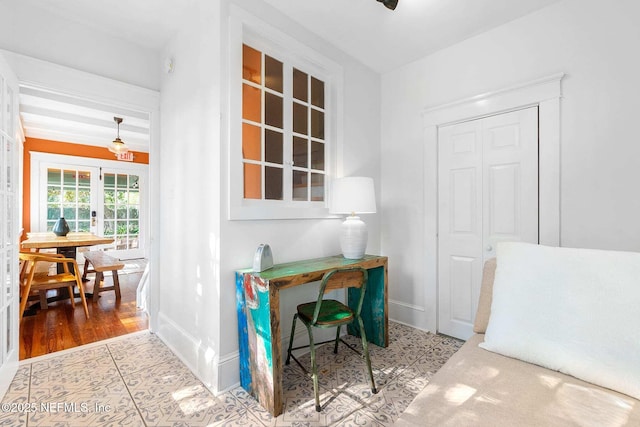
x,y
9,234
487,193
545,93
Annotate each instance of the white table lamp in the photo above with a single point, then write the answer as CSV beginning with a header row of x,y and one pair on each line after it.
x,y
353,195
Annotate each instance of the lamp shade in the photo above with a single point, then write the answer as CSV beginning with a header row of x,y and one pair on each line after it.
x,y
351,195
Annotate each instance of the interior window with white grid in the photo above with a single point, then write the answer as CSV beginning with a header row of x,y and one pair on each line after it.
x,y
283,130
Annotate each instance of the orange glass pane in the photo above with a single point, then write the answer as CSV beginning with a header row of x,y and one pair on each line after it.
x,y
300,152
272,183
317,124
300,186
317,187
251,103
300,118
273,146
252,181
251,142
300,88
317,92
273,73
273,110
251,64
317,155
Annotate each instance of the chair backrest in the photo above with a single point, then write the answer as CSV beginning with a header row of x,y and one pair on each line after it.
x,y
353,277
30,260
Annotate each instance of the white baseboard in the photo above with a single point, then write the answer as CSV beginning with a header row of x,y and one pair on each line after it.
x,y
217,374
407,305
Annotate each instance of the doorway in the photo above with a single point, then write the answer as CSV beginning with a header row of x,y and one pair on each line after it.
x,y
487,193
103,197
545,93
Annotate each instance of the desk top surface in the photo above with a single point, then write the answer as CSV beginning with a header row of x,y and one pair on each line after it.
x,y
307,270
50,240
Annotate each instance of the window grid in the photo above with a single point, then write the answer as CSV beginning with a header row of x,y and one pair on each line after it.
x,y
307,178
277,174
122,210
69,196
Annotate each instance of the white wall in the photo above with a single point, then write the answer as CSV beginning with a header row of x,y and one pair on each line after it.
x,y
594,42
41,35
200,247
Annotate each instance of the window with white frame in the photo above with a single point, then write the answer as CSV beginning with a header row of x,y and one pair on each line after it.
x,y
284,131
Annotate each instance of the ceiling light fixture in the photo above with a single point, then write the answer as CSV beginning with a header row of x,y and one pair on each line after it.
x,y
389,4
117,146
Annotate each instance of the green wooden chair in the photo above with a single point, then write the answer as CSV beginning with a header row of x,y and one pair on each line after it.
x,y
331,314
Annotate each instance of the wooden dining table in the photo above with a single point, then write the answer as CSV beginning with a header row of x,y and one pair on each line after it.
x,y
66,245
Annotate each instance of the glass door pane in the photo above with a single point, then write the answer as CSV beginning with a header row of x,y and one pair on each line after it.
x,y
121,210
69,196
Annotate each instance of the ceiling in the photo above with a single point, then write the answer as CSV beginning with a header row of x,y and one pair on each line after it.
x,y
384,40
58,117
376,36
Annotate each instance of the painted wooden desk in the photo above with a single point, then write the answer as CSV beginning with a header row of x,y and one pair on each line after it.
x,y
258,306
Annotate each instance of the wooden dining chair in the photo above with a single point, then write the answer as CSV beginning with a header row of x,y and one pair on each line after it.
x,y
332,314
33,278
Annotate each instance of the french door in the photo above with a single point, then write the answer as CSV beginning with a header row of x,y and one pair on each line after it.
x,y
103,197
487,193
9,236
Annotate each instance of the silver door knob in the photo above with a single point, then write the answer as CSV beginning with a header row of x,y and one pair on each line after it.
x,y
489,248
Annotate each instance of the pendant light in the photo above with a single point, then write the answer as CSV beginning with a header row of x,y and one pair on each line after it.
x,y
389,4
117,146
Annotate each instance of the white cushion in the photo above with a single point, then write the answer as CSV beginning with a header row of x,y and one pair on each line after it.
x,y
576,311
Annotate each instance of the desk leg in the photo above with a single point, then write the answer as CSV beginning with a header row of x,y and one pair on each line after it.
x,y
258,308
374,308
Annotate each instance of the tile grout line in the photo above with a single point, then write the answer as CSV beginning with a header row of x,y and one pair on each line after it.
x,y
126,386
29,392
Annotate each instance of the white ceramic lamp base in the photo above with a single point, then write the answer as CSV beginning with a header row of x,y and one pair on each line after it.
x,y
353,237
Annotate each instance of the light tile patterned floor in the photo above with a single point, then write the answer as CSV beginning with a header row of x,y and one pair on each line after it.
x,y
138,381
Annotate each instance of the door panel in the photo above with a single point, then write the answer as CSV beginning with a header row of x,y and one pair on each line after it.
x,y
460,225
503,200
121,207
462,272
487,193
511,184
9,238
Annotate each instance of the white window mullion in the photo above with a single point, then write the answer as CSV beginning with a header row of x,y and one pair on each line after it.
x,y
287,148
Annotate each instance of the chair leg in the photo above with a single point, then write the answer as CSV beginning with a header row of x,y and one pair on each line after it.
x,y
24,297
365,348
335,348
71,297
314,369
82,297
293,331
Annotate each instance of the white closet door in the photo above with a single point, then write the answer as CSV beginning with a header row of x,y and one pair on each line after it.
x,y
487,192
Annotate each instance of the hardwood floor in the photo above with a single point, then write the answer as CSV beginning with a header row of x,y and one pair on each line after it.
x,y
61,326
